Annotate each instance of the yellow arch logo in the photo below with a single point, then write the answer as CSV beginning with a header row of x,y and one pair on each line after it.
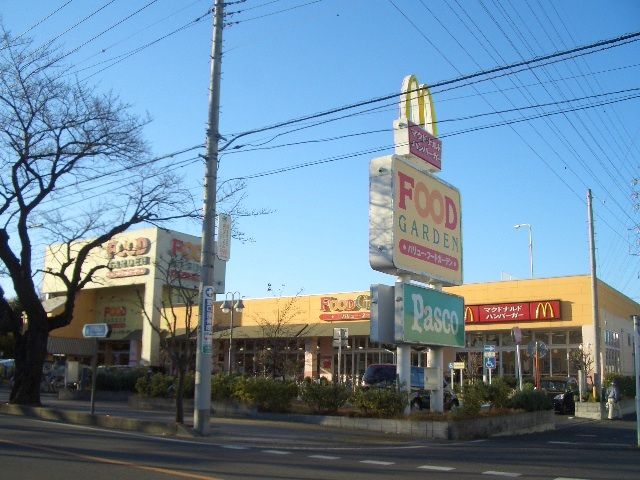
x,y
468,315
416,105
546,309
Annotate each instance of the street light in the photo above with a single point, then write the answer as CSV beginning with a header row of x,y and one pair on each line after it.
x,y
229,306
530,243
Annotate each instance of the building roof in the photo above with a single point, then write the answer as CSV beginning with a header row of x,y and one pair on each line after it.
x,y
51,305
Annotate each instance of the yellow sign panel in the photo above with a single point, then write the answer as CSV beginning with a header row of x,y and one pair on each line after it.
x,y
414,223
427,230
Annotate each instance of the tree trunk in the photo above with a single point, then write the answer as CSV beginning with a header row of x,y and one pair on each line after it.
x,y
31,350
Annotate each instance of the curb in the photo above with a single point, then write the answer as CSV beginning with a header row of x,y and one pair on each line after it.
x,y
105,421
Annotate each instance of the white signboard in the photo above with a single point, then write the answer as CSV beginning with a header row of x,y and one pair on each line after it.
x,y
224,237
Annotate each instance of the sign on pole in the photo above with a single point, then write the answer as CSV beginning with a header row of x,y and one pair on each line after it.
x,y
224,237
340,337
426,316
414,223
206,328
95,330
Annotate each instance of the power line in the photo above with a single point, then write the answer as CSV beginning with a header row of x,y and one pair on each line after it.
x,y
632,37
45,18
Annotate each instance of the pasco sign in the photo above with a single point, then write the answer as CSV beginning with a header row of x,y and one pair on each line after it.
x,y
426,316
414,223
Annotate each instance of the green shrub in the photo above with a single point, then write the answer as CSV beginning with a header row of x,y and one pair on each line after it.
x,y
325,397
498,392
473,396
118,379
156,385
530,400
222,386
380,402
267,394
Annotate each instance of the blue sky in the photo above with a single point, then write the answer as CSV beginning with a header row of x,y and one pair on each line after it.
x,y
290,58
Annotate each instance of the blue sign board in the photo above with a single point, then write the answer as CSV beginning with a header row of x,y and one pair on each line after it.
x,y
490,362
95,330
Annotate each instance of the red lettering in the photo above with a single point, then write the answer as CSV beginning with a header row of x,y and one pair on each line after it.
x,y
404,190
441,208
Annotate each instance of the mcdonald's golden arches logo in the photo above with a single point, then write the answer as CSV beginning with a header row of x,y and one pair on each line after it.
x,y
545,310
469,317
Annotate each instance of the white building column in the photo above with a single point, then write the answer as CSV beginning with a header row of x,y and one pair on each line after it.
x,y
310,357
434,363
150,354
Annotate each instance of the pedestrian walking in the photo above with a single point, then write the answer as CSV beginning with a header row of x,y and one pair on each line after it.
x,y
613,400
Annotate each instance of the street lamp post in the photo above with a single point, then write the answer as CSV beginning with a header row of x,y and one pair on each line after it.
x,y
530,244
230,306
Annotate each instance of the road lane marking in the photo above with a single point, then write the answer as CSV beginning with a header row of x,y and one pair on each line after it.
x,y
235,447
436,468
276,452
111,461
377,462
502,474
324,457
568,478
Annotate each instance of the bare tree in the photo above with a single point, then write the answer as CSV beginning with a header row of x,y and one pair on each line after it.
x,y
473,367
279,334
178,322
57,138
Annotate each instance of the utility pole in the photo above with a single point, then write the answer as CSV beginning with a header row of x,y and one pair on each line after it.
x,y
597,364
202,400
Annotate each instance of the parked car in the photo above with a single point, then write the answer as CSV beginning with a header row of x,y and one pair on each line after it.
x,y
384,375
562,392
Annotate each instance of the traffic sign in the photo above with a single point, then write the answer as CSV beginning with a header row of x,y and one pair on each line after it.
x,y
490,362
340,337
458,365
95,330
489,351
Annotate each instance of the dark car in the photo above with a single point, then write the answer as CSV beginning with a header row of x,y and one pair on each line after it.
x,y
562,392
384,375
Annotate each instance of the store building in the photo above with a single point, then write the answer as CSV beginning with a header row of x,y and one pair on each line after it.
x,y
294,336
144,267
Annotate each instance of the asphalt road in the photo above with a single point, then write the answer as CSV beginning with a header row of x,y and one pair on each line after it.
x,y
254,449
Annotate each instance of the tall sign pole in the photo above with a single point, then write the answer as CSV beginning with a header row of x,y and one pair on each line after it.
x,y
202,399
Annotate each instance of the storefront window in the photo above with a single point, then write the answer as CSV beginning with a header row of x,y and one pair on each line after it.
x,y
492,339
506,340
508,363
474,340
559,338
575,337
526,337
559,361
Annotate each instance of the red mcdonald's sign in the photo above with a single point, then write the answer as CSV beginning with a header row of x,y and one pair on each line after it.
x,y
539,310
